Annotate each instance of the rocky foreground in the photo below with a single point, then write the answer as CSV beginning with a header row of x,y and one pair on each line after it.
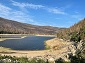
x,y
58,48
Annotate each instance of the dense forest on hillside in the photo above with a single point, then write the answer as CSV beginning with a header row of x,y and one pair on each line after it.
x,y
13,27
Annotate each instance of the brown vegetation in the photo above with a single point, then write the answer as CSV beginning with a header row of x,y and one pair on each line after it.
x,y
13,27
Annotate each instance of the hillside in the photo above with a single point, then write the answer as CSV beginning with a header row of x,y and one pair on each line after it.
x,y
76,29
75,34
14,27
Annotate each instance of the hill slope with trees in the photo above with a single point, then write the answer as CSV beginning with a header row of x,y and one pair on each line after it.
x,y
13,27
77,31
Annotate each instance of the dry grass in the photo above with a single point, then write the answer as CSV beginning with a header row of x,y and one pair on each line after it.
x,y
57,43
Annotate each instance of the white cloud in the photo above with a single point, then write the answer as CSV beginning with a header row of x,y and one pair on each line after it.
x,y
27,5
34,6
56,11
9,13
23,16
4,10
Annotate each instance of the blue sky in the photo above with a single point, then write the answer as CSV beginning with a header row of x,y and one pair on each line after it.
x,y
57,13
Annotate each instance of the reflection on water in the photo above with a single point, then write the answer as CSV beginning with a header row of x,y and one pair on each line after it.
x,y
28,43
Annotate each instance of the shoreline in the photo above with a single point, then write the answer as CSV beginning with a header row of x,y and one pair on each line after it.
x,y
57,48
27,35
2,39
21,36
56,53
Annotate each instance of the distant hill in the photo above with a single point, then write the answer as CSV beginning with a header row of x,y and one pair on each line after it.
x,y
14,27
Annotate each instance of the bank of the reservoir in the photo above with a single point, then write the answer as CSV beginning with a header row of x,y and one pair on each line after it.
x,y
26,42
50,54
58,49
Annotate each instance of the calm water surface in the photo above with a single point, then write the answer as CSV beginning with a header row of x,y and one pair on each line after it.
x,y
28,43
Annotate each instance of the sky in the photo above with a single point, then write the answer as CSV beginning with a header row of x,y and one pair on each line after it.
x,y
57,13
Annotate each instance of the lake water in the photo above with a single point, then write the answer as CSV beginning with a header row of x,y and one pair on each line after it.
x,y
28,43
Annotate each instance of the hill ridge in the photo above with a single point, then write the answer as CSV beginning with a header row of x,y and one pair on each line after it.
x,y
14,27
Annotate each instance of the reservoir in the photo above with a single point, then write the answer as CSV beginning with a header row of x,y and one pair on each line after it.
x,y
27,43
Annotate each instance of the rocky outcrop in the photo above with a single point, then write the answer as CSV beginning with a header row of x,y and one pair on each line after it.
x,y
64,49
80,45
73,50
